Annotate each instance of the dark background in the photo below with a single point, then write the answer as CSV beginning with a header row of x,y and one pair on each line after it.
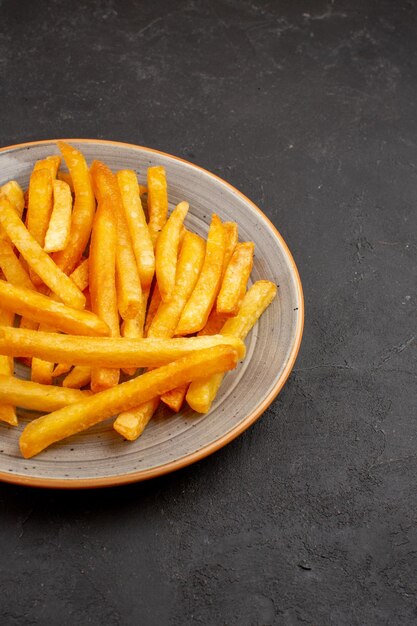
x,y
310,108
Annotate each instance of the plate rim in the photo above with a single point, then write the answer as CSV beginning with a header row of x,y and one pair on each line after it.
x,y
202,453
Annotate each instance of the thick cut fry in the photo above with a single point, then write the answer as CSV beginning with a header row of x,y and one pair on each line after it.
x,y
235,279
157,201
12,266
79,376
175,398
189,266
60,424
39,261
39,308
198,307
80,275
83,210
129,291
138,228
201,393
7,409
51,163
57,235
231,237
167,251
106,351
15,196
36,397
66,178
131,424
152,309
40,204
102,272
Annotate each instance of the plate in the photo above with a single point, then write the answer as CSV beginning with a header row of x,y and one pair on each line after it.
x,y
100,457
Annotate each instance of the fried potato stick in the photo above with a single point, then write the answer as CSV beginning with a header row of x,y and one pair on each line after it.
x,y
106,351
7,409
235,279
38,260
129,290
72,419
167,251
102,272
201,393
198,307
138,228
157,201
39,308
37,397
82,212
57,235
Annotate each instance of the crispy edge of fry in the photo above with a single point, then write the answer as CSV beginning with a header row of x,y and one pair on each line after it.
x,y
102,272
80,275
57,235
107,351
157,201
38,259
235,279
138,228
37,397
134,329
14,193
166,255
131,424
50,163
40,308
82,212
175,398
61,369
72,419
79,376
128,286
201,393
200,303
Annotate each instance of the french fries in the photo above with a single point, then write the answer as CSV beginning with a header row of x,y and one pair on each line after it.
x,y
138,228
37,307
201,393
235,279
102,272
129,290
107,351
167,251
36,397
198,307
38,260
157,201
72,419
7,409
82,284
82,212
57,235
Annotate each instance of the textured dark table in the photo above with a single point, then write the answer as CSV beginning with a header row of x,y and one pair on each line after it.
x,y
310,108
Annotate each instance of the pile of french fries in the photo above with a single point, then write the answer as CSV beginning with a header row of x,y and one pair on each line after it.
x,y
97,279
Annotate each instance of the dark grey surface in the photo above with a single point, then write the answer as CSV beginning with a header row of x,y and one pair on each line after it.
x,y
310,109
